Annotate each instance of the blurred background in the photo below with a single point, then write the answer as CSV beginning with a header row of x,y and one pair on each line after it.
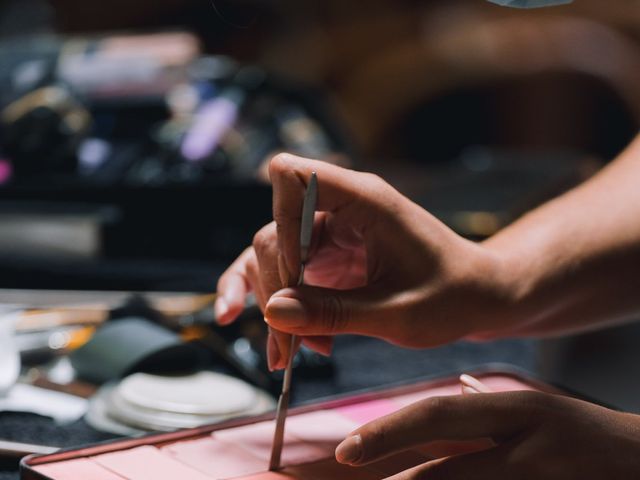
x,y
135,132
134,137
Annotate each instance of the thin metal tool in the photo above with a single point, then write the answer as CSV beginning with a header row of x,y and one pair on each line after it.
x,y
306,232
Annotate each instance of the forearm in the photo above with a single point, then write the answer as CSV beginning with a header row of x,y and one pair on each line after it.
x,y
574,263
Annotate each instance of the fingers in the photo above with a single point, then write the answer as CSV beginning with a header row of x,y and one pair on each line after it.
x,y
372,311
266,251
338,188
233,287
441,418
279,349
315,311
259,269
485,465
446,448
243,276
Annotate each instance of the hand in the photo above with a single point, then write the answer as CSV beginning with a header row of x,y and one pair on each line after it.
x,y
535,436
380,266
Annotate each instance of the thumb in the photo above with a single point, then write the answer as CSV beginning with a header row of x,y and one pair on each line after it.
x,y
312,311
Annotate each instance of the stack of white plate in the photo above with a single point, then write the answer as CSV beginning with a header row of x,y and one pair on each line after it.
x,y
144,403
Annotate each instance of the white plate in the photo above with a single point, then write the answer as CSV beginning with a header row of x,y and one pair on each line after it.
x,y
155,420
109,412
203,393
98,417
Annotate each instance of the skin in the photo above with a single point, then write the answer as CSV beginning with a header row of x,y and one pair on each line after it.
x,y
384,267
534,436
361,269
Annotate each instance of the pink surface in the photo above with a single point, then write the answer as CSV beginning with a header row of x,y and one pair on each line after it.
x,y
217,459
365,412
270,476
325,428
76,469
497,383
408,399
244,452
257,439
145,463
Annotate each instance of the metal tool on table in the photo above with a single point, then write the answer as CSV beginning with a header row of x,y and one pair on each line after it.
x,y
306,232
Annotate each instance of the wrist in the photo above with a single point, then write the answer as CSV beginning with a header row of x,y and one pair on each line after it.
x,y
509,278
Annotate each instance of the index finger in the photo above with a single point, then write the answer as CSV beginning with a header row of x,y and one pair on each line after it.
x,y
233,288
441,418
337,189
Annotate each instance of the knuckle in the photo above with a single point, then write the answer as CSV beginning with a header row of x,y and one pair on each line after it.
x,y
373,179
263,239
377,194
278,164
252,271
535,407
285,168
535,401
334,313
377,185
437,408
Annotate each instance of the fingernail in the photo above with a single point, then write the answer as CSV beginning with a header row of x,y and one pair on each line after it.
x,y
221,308
273,353
474,383
350,450
285,312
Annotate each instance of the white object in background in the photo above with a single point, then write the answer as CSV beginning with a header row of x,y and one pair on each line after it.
x,y
9,355
202,393
142,402
62,407
51,235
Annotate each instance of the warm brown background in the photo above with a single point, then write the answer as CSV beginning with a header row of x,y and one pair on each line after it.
x,y
403,72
